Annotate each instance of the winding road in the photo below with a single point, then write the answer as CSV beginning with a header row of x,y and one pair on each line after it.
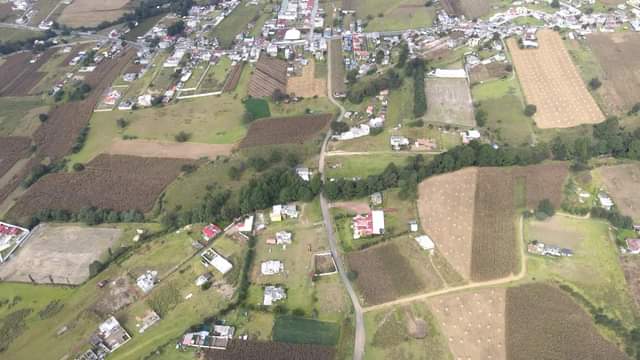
x,y
359,343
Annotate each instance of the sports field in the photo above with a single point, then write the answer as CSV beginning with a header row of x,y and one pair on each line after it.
x,y
552,83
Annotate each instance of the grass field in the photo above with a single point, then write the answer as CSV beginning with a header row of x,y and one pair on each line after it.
x,y
235,23
620,181
215,77
20,115
407,332
8,35
143,27
305,331
594,270
363,165
396,14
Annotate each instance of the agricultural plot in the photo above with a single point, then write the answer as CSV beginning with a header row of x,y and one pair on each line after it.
x,y
542,322
22,75
631,268
494,70
12,149
251,350
551,82
379,285
235,23
165,149
617,54
307,84
91,13
621,182
286,130
406,332
20,115
290,329
449,102
59,254
594,270
473,322
268,76
234,77
108,182
337,67
393,15
471,9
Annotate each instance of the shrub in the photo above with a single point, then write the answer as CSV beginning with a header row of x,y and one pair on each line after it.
x,y
530,110
595,83
43,117
78,167
182,136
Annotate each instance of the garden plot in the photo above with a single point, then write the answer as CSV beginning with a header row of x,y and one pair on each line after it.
x,y
449,102
552,83
59,254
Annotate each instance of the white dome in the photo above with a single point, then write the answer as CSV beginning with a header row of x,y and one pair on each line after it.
x,y
292,34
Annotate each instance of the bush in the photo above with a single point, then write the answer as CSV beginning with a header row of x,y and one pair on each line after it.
x,y
595,83
545,206
188,168
78,167
258,108
122,123
530,110
481,117
182,136
43,117
338,127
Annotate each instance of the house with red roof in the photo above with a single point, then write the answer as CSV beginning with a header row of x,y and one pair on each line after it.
x,y
211,231
369,224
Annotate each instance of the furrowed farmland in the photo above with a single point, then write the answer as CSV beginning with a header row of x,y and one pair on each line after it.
x,y
617,54
542,322
106,183
22,75
12,149
552,83
251,350
289,130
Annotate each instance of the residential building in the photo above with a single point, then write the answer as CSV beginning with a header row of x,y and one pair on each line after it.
x,y
110,335
211,257
369,224
425,242
398,142
11,237
147,281
271,267
273,294
605,201
216,338
211,231
150,319
283,238
633,246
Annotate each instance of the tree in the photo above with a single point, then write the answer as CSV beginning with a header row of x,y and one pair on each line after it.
x,y
234,173
595,83
78,167
546,207
278,96
248,117
176,28
338,127
182,136
555,4
43,117
352,76
481,117
379,56
530,110
122,123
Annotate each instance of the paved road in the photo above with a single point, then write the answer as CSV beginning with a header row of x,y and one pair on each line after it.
x,y
358,349
474,285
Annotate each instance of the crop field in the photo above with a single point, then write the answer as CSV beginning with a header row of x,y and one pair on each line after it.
x,y
594,270
8,35
236,23
307,84
255,350
494,234
269,75
57,135
446,208
106,183
494,70
337,67
22,75
449,101
20,115
621,182
617,54
473,322
234,77
551,82
286,130
544,181
374,280
405,332
542,322
12,149
393,15
471,9
290,329
166,149
92,13
631,268
59,254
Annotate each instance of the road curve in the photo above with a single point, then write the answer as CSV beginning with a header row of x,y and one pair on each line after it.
x,y
358,348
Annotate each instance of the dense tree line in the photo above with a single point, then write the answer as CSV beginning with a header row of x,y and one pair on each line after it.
x,y
88,215
415,68
389,80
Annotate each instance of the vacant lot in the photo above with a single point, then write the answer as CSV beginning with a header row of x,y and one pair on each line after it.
x,y
618,54
494,236
375,282
165,149
542,322
287,130
109,182
471,9
631,269
59,254
551,82
621,181
91,13
490,71
473,322
446,208
555,231
254,350
449,101
307,85
235,23
290,329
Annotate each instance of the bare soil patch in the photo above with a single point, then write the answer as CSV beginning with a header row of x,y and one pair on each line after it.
x,y
249,350
542,322
59,254
544,181
495,70
117,294
109,182
307,85
621,182
554,231
551,81
471,9
166,149
446,206
92,13
473,323
286,130
449,101
234,77
357,207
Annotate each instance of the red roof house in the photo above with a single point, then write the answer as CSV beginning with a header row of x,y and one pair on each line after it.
x,y
211,231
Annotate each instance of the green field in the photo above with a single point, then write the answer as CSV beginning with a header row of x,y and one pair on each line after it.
x,y
363,165
8,35
143,27
396,14
258,108
594,270
236,23
215,76
305,331
20,115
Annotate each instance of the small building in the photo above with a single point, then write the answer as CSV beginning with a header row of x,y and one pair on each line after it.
x,y
283,238
273,294
147,281
217,338
369,224
111,335
633,246
425,242
398,142
413,226
271,267
304,173
278,212
211,257
605,201
204,278
245,225
376,199
147,321
211,231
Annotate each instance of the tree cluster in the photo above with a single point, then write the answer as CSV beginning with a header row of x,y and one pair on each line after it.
x,y
416,68
88,215
389,80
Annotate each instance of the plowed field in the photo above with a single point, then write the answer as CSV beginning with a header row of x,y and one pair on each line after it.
x,y
289,130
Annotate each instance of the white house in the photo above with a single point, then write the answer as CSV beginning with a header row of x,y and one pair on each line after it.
x,y
271,267
273,294
211,257
425,242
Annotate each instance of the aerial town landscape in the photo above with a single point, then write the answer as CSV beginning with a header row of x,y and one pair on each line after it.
x,y
320,179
